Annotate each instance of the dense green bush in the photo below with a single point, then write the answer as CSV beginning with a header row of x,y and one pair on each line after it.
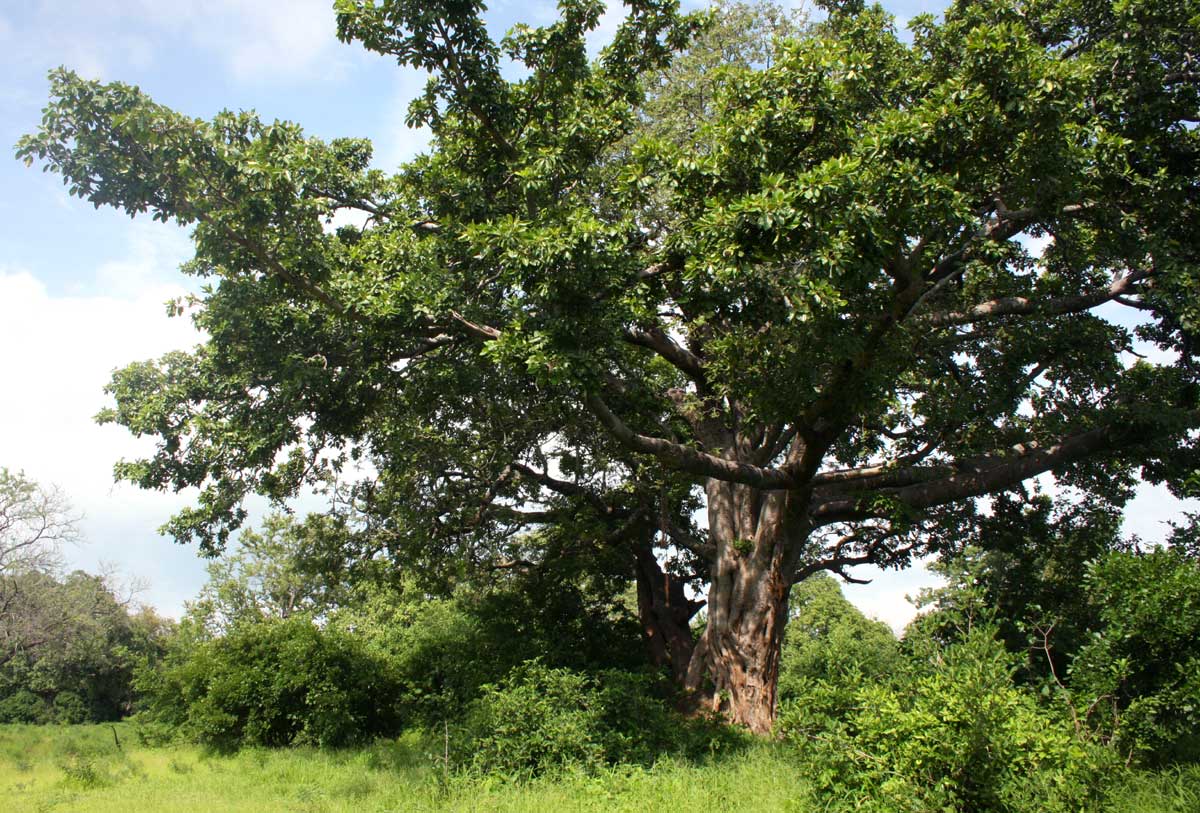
x,y
277,683
952,732
539,719
1138,678
830,651
23,706
442,650
436,651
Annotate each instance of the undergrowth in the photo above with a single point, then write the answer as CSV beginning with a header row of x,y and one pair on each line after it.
x,y
84,768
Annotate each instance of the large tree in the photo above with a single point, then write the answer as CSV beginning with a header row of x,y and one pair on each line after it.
x,y
815,312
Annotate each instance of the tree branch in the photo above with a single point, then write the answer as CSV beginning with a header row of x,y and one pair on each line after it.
x,y
564,487
1024,306
686,458
680,357
936,486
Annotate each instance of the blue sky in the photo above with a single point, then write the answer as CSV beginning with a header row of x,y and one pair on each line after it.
x,y
82,291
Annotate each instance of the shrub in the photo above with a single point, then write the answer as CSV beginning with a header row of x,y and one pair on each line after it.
x,y
280,683
830,651
443,650
539,719
23,706
1139,675
955,733
70,708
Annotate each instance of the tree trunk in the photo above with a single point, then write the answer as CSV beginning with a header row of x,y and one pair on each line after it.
x,y
665,612
735,665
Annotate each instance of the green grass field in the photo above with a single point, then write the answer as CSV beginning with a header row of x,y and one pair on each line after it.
x,y
83,768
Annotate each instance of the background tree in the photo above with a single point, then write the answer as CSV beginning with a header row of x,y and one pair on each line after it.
x,y
823,320
1103,625
829,639
289,567
69,643
80,644
1022,567
35,523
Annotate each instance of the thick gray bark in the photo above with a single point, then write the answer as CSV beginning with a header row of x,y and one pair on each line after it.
x,y
735,665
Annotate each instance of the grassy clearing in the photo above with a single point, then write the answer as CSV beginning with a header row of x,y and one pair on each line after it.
x,y
80,768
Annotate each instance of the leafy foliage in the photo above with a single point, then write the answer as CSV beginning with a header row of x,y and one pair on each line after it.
x,y
279,682
1139,675
951,731
1021,568
830,652
288,568
540,719
80,647
818,303
1098,621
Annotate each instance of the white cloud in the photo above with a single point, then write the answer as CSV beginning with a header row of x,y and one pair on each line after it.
x,y
1149,512
154,254
886,598
59,353
269,38
260,41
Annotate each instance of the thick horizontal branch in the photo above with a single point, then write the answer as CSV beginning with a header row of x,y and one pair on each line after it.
x,y
1024,306
685,458
514,515
564,487
888,475
976,478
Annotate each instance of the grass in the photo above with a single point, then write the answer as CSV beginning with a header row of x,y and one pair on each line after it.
x,y
86,768
72,768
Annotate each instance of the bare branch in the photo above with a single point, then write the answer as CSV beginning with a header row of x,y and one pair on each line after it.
x,y
478,331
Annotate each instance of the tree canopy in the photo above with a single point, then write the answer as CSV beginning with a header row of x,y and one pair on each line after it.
x,y
815,313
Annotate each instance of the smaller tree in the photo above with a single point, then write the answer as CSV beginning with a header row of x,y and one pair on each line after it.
x,y
83,671
1103,623
35,523
1138,676
1021,567
289,567
828,638
68,642
831,651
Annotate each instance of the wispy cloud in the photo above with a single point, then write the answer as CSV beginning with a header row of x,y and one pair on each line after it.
x,y
260,42
153,256
399,142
